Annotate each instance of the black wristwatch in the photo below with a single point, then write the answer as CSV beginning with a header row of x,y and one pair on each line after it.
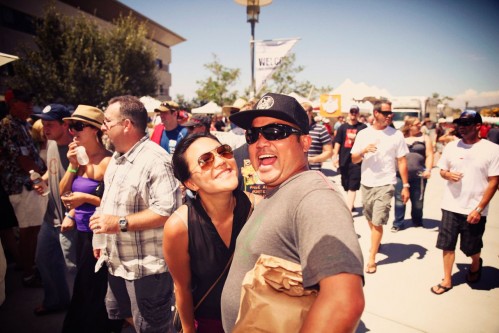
x,y
123,223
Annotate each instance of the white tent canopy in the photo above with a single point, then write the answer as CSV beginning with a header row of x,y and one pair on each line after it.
x,y
6,58
351,91
150,103
209,108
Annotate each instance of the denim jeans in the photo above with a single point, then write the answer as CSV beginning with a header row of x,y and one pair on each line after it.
x,y
416,192
50,260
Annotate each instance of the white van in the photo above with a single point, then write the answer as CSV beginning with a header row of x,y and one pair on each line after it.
x,y
407,106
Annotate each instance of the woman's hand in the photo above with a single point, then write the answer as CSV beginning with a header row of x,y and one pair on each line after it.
x,y
74,200
67,224
72,155
426,174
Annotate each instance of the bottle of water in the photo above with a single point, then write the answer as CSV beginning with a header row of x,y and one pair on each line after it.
x,y
99,241
36,179
81,155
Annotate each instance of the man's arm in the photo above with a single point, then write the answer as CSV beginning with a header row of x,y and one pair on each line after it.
x,y
336,151
143,220
338,306
475,215
402,165
327,152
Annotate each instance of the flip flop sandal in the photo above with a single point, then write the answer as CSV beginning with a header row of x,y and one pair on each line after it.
x,y
439,286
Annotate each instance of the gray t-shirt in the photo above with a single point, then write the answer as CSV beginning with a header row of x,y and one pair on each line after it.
x,y
305,220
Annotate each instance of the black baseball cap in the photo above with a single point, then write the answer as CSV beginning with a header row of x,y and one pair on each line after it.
x,y
468,117
354,109
277,106
53,112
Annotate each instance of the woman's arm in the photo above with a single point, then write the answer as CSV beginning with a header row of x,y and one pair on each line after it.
x,y
176,253
429,157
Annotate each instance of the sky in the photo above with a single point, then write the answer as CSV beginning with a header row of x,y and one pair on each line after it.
x,y
408,47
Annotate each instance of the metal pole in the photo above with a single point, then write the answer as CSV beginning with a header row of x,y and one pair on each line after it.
x,y
252,50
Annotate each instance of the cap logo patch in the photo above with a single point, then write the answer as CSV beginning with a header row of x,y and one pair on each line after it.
x,y
46,109
265,103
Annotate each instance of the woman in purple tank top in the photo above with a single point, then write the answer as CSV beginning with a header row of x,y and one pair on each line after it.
x,y
82,187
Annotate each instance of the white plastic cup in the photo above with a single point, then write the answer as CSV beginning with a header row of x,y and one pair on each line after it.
x,y
171,146
99,241
36,179
81,155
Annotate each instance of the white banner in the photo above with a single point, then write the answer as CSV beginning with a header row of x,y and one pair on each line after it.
x,y
268,55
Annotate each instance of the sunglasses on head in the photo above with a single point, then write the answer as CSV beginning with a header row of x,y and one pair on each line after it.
x,y
206,160
271,132
78,126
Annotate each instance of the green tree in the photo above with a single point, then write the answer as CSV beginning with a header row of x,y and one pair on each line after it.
x,y
79,63
216,87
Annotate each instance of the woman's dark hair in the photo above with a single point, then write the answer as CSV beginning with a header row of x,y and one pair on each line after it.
x,y
180,167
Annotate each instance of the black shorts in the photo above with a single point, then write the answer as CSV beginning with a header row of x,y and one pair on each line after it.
x,y
453,225
350,177
8,217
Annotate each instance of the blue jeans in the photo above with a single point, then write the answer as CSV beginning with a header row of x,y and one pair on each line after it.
x,y
51,263
416,192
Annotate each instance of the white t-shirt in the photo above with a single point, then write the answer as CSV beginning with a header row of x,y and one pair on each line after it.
x,y
477,162
379,168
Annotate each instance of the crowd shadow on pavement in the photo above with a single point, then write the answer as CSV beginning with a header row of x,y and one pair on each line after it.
x,y
396,252
488,281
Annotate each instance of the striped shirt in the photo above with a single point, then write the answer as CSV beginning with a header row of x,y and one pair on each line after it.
x,y
138,180
320,137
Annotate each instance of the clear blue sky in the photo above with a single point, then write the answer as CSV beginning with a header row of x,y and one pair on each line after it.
x,y
409,47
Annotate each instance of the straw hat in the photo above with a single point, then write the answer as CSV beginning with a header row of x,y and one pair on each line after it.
x,y
88,114
236,106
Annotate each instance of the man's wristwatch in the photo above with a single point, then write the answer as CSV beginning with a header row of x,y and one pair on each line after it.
x,y
479,210
406,185
123,223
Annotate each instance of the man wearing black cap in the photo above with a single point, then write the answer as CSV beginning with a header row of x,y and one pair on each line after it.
x,y
198,124
56,251
343,143
303,219
471,168
18,155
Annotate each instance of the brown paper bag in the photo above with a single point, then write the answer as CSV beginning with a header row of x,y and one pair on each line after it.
x,y
272,298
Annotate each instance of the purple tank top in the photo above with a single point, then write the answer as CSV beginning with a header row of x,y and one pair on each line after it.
x,y
85,211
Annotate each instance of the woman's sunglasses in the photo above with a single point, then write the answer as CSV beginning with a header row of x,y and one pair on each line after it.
x,y
206,160
78,126
271,132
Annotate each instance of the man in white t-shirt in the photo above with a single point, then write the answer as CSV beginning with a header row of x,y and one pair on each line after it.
x,y
380,148
471,168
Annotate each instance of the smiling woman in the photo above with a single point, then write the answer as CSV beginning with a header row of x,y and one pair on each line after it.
x,y
199,238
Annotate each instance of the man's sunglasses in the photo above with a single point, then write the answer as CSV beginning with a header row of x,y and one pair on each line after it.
x,y
386,113
206,160
78,126
465,122
271,132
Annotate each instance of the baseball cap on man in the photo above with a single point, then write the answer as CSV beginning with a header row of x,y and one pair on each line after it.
x,y
468,117
53,112
88,114
198,120
277,106
354,109
167,106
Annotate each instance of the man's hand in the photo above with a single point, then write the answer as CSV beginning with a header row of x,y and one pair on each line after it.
x,y
67,224
405,195
473,217
104,224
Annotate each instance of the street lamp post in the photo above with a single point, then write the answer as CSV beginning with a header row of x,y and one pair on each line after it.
x,y
252,12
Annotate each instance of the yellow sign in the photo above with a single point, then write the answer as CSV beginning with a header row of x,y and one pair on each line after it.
x,y
330,105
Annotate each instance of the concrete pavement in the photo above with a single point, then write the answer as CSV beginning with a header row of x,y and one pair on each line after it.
x,y
398,297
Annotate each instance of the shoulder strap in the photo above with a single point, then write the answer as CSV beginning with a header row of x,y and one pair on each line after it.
x,y
215,283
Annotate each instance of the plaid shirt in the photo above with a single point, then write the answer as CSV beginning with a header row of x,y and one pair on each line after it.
x,y
138,180
15,141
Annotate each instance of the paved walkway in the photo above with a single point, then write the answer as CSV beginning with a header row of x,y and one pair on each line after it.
x,y
398,297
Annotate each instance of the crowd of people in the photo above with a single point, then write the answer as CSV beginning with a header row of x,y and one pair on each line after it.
x,y
140,219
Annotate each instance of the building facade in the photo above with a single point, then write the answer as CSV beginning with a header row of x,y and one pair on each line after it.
x,y
17,17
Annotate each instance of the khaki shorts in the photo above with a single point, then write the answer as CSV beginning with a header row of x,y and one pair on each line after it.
x,y
29,207
377,203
